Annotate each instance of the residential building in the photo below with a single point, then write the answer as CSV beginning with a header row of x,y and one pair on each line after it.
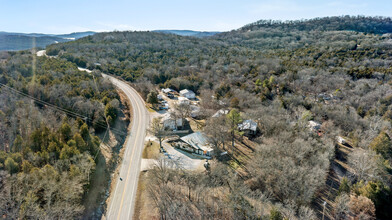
x,y
170,123
189,94
313,125
220,112
183,100
249,127
167,90
341,140
196,143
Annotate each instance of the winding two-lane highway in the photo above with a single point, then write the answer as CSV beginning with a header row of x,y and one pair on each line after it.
x,y
121,205
122,199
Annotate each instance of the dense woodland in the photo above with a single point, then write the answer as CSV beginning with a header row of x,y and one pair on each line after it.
x,y
373,25
49,113
336,71
277,73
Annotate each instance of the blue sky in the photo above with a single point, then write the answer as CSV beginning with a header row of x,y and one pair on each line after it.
x,y
65,16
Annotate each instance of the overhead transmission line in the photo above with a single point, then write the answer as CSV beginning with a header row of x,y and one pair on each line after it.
x,y
106,119
68,112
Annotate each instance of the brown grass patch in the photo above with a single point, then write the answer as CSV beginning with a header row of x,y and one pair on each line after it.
x,y
143,206
151,150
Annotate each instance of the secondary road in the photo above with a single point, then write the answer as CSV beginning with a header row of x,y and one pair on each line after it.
x,y
121,205
122,200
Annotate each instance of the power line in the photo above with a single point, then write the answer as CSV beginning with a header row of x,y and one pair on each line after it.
x,y
106,119
69,112
41,102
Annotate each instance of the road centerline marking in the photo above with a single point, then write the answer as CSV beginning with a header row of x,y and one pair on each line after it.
x,y
130,164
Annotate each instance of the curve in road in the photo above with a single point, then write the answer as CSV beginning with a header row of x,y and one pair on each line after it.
x,y
121,205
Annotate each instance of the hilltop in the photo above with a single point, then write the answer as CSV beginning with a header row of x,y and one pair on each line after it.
x,y
189,33
374,25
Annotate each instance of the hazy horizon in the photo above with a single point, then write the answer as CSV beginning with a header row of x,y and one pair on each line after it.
x,y
43,16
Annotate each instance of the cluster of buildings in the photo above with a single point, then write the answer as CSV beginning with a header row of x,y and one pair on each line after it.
x,y
185,96
186,93
196,143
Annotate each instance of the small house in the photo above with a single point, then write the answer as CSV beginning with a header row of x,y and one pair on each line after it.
x,y
183,100
221,103
220,112
314,126
249,127
341,140
189,94
197,143
170,123
167,90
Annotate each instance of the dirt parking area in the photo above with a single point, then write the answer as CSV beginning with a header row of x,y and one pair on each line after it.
x,y
183,159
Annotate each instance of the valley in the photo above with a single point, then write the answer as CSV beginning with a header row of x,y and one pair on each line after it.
x,y
273,120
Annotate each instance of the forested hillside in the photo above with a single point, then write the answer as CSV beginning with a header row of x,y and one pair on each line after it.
x,y
284,75
49,115
188,33
373,25
335,71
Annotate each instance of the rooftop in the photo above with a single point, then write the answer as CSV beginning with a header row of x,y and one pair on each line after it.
x,y
197,140
168,116
167,90
220,113
184,91
183,99
248,125
314,125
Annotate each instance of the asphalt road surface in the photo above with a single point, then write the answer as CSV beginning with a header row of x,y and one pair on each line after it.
x,y
122,200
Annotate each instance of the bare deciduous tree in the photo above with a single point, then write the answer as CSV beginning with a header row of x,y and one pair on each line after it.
x,y
365,165
158,130
182,110
216,129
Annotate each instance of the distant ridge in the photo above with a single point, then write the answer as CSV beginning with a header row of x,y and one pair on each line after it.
x,y
22,41
374,25
189,33
76,35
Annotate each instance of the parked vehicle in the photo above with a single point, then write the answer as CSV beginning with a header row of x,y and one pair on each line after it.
x,y
170,95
